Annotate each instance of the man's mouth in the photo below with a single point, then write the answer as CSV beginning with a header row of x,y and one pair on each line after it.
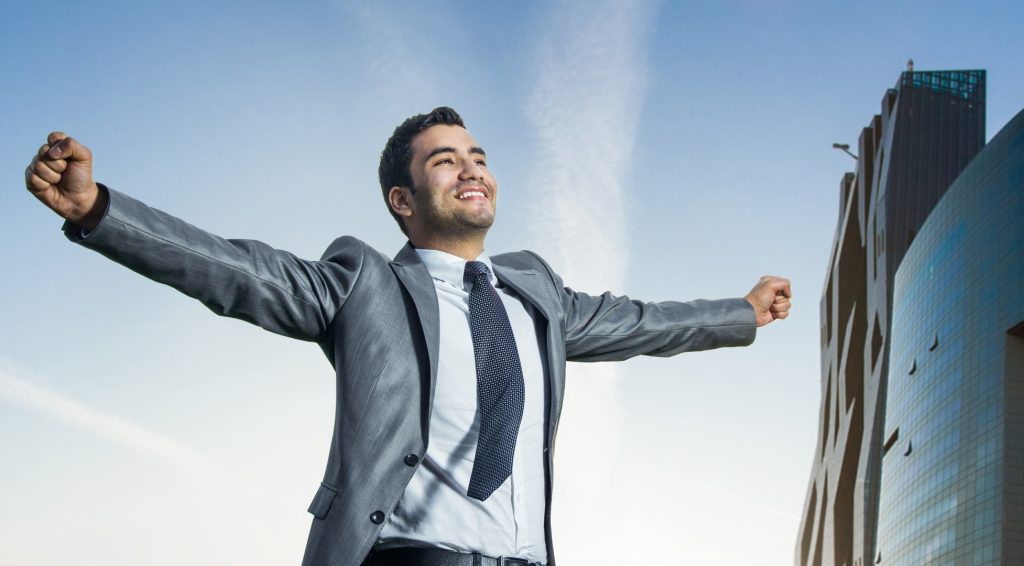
x,y
471,194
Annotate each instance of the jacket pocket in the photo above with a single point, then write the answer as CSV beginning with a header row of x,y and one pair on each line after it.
x,y
322,501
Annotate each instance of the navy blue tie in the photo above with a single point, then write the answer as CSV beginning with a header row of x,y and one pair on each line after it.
x,y
499,383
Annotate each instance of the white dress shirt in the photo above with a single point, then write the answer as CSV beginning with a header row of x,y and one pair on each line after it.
x,y
434,510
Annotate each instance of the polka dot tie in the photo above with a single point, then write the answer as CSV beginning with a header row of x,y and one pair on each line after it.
x,y
499,384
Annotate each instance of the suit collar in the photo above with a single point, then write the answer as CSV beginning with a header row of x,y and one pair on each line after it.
x,y
416,279
528,284
407,255
414,275
451,269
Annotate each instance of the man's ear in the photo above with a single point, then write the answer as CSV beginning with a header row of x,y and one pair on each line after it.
x,y
400,201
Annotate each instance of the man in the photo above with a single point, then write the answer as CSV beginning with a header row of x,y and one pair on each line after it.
x,y
450,364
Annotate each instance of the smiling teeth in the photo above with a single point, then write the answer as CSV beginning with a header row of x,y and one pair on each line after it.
x,y
468,194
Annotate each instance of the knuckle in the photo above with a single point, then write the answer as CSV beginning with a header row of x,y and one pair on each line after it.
x,y
44,171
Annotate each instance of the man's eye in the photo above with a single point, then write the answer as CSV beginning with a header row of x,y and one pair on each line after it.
x,y
446,160
481,162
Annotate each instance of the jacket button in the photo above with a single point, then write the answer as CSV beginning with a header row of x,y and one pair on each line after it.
x,y
377,517
411,459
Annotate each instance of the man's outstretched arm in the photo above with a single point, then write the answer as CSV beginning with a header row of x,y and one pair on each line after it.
x,y
244,279
611,328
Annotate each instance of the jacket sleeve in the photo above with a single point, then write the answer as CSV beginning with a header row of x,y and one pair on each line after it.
x,y
614,328
244,279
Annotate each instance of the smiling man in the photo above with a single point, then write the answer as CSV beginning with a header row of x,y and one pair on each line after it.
x,y
438,186
450,363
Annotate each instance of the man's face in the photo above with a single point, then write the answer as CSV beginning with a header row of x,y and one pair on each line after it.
x,y
455,193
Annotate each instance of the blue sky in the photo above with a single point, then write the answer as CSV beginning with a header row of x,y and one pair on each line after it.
x,y
687,144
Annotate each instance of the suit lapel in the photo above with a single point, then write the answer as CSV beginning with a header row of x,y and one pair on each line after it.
x,y
528,284
416,279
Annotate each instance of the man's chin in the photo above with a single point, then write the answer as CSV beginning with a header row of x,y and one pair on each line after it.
x,y
482,222
462,225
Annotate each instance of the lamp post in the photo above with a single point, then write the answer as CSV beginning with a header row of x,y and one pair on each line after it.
x,y
845,147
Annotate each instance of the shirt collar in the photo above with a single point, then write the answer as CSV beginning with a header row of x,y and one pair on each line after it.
x,y
449,268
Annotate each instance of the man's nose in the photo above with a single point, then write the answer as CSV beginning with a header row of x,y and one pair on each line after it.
x,y
471,170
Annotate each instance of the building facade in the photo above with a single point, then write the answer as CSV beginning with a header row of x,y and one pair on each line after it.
x,y
952,487
932,123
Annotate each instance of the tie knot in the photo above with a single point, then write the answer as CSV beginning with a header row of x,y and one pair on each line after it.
x,y
475,269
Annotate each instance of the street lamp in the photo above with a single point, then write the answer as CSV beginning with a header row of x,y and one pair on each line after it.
x,y
845,147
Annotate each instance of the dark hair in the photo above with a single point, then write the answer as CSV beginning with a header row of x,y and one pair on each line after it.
x,y
394,160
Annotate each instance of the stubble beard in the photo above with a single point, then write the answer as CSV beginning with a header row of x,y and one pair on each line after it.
x,y
453,223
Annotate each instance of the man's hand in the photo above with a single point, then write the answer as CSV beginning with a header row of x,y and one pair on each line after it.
x,y
60,175
770,299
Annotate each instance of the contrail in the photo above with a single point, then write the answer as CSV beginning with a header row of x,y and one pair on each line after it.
x,y
109,427
584,109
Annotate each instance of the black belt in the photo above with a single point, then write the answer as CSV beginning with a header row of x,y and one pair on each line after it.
x,y
438,557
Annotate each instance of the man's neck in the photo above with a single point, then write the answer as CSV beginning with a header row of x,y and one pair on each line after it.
x,y
468,250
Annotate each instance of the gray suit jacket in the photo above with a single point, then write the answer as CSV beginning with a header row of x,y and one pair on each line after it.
x,y
376,319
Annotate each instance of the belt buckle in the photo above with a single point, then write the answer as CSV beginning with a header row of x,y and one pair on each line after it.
x,y
510,561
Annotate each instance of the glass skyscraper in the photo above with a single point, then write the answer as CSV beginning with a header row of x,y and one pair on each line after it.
x,y
930,126
953,460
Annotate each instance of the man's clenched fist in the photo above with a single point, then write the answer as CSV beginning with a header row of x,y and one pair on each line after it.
x,y
770,299
60,175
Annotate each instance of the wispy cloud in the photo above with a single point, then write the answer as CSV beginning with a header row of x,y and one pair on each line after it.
x,y
30,395
584,109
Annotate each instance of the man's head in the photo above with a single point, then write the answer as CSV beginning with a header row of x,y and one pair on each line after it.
x,y
434,178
